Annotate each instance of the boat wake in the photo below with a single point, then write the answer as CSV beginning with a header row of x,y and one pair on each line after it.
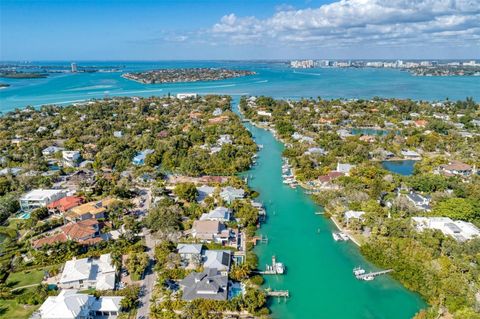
x,y
92,87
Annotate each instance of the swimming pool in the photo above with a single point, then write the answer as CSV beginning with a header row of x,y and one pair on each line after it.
x,y
23,216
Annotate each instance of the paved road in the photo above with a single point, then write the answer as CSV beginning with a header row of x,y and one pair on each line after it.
x,y
149,276
149,279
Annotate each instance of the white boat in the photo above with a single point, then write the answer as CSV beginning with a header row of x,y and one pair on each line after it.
x,y
344,236
358,271
368,278
279,268
336,237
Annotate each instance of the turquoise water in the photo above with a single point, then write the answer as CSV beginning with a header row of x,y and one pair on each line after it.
x,y
273,79
404,167
319,270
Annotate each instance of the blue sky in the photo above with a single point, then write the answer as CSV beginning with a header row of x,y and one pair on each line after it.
x,y
238,29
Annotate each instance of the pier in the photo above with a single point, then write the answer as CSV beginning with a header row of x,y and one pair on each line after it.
x,y
262,239
372,275
277,293
275,269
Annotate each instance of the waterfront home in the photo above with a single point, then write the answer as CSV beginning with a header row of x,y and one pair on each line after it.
x,y
264,113
229,194
326,181
411,155
86,232
221,214
204,191
49,151
64,204
302,138
183,96
315,151
456,168
211,231
344,168
421,202
353,214
139,159
95,210
40,198
190,252
87,273
208,284
218,259
70,304
71,158
458,229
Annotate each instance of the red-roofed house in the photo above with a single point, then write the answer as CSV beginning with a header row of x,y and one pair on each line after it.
x,y
85,232
64,204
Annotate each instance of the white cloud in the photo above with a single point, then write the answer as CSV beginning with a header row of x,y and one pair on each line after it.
x,y
370,22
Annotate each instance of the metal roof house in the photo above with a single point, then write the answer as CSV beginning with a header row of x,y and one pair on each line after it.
x,y
208,284
218,259
89,273
221,214
70,304
139,159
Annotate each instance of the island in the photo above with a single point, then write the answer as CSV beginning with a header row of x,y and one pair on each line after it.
x,y
22,75
397,177
185,75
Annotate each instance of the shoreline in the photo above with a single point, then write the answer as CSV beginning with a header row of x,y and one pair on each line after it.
x,y
302,184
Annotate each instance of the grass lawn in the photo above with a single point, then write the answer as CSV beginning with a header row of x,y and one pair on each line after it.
x,y
11,309
24,278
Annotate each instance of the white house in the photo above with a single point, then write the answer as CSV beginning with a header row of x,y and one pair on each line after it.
x,y
40,198
458,229
204,191
264,113
71,158
408,154
353,214
221,214
70,304
190,252
182,96
89,273
419,201
218,259
344,168
51,150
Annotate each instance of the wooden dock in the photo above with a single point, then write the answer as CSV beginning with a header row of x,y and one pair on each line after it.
x,y
373,274
277,293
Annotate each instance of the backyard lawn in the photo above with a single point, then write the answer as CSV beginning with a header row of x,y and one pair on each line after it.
x,y
12,309
25,278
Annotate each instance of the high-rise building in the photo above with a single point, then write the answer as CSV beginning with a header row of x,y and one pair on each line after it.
x,y
74,67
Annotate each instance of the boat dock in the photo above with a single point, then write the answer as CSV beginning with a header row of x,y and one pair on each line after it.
x,y
259,239
371,275
277,293
276,268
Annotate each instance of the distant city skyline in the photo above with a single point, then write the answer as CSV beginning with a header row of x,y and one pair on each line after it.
x,y
239,30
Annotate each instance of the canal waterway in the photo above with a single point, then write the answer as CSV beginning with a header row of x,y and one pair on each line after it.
x,y
319,270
